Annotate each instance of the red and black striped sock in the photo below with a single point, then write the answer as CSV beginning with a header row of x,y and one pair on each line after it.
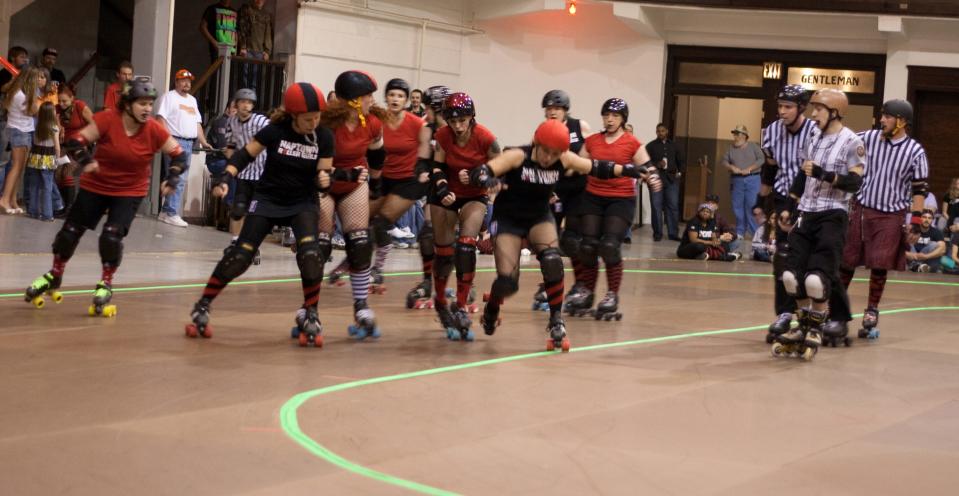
x,y
577,269
590,275
107,274
427,267
877,283
213,288
464,282
311,294
59,266
554,295
614,277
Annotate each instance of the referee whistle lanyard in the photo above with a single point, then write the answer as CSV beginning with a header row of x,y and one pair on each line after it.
x,y
356,105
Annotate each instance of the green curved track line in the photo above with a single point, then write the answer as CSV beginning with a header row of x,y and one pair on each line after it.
x,y
291,425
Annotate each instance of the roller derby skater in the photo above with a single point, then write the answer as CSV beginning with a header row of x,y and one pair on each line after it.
x,y
608,206
833,163
462,146
113,182
242,128
299,160
540,299
895,181
365,322
521,212
421,295
803,340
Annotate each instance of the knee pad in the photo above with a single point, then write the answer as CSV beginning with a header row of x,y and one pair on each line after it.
x,y
588,252
551,265
309,258
67,239
381,228
817,286
111,245
238,210
325,246
570,243
465,257
444,260
505,286
237,259
425,238
609,249
359,250
791,283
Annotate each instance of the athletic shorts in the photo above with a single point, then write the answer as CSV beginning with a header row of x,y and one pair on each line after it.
x,y
816,243
409,188
265,207
508,224
603,206
89,207
875,239
461,202
570,201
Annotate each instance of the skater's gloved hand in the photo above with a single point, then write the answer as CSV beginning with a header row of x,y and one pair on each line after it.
x,y
449,199
172,179
464,176
221,184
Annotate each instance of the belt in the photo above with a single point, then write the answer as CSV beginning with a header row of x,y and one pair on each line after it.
x,y
184,139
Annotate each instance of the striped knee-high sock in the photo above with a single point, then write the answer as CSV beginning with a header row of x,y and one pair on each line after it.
x,y
590,275
877,284
382,252
614,277
554,295
360,282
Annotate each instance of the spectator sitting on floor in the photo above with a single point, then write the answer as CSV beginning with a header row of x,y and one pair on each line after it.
x,y
701,239
724,227
952,264
928,246
950,206
764,240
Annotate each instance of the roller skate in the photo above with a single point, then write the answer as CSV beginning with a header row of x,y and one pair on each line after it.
x,y
420,296
47,283
780,326
578,304
287,239
201,321
470,306
870,323
308,329
101,301
443,314
365,325
557,334
459,330
376,282
835,332
803,340
540,299
490,320
606,310
338,275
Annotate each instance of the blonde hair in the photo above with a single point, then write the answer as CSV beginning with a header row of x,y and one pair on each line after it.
x,y
339,111
47,125
26,82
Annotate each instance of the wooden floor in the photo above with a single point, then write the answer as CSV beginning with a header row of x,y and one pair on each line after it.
x,y
129,406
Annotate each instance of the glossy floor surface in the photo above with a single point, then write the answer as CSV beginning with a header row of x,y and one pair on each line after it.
x,y
680,397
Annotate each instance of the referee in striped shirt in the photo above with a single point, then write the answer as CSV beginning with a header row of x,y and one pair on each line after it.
x,y
896,180
782,142
240,130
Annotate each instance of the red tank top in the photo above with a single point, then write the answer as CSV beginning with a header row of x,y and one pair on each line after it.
x,y
620,151
126,162
351,149
458,158
402,145
71,127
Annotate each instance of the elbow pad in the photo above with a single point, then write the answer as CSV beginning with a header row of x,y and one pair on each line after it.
x,y
422,165
77,149
798,186
347,175
603,169
240,159
769,169
178,158
850,183
920,188
375,158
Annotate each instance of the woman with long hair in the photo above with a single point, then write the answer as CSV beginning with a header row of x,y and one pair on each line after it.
x,y
41,164
74,115
299,157
21,104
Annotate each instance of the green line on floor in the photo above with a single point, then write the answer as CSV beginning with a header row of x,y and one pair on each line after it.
x,y
291,425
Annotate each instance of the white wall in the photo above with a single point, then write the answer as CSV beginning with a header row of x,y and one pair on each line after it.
x,y
938,46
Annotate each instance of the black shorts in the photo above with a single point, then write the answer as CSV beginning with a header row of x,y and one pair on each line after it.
x,y
508,224
570,202
409,188
89,207
244,191
265,207
461,202
816,243
603,206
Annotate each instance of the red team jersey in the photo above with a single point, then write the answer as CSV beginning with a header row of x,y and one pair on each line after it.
x,y
620,151
458,158
125,161
351,149
402,146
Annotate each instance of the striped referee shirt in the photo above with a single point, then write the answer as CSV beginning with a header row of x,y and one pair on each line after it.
x,y
239,134
893,166
786,148
837,152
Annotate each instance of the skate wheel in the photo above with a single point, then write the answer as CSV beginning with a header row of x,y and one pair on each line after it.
x,y
618,317
452,334
318,341
469,336
847,342
91,310
189,331
472,308
550,345
565,345
206,332
770,338
808,354
38,301
862,334
777,350
303,340
375,333
56,296
109,311
295,332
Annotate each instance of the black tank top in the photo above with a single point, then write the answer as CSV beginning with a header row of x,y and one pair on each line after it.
x,y
576,183
529,189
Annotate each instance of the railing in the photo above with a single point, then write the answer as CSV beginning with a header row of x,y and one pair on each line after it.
x,y
220,81
82,72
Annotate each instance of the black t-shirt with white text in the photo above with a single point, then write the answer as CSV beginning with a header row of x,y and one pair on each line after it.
x,y
931,236
705,230
528,189
289,174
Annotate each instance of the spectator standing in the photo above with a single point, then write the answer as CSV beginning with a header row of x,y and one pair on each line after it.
x,y
218,26
743,160
671,163
18,57
179,113
42,163
21,105
74,114
924,252
111,96
49,61
416,104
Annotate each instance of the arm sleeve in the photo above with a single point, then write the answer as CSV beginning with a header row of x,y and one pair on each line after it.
x,y
102,121
920,166
269,137
857,153
327,143
728,157
757,154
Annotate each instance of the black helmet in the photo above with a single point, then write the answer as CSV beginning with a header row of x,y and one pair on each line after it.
x,y
794,93
397,84
245,94
354,84
556,98
139,87
435,96
617,105
898,108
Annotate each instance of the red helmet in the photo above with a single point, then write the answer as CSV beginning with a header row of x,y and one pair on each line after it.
x,y
303,97
354,84
458,105
552,134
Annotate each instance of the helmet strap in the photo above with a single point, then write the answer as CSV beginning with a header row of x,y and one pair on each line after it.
x,y
357,105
